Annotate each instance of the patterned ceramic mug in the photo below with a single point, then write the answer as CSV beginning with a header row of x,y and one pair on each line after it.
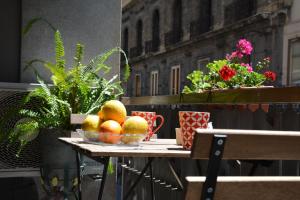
x,y
150,117
189,122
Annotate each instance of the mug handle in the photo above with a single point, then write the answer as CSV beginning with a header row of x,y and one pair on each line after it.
x,y
162,120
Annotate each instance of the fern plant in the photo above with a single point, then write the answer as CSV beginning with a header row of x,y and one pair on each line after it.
x,y
78,89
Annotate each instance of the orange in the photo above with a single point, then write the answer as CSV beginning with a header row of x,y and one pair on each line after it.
x,y
113,110
135,125
91,123
134,129
109,132
100,114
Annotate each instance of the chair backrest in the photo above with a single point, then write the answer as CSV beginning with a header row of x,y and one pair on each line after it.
x,y
77,118
249,144
244,145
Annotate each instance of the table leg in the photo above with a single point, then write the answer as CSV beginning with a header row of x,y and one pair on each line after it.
x,y
78,175
151,181
104,174
139,178
175,174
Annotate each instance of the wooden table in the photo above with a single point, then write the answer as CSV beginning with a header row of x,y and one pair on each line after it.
x,y
155,148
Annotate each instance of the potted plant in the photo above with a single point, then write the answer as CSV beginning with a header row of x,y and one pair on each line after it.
x,y
77,89
235,71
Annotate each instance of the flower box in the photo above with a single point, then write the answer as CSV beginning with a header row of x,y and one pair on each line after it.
x,y
236,71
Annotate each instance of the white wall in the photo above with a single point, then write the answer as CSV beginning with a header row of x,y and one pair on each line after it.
x,y
94,23
291,30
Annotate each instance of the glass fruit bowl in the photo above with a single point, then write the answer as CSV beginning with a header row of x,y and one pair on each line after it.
x,y
132,138
111,138
99,137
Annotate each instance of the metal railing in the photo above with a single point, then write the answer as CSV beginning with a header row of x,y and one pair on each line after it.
x,y
152,46
135,51
173,37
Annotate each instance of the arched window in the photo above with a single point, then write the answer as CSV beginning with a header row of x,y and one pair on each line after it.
x,y
125,40
139,35
155,30
177,20
205,15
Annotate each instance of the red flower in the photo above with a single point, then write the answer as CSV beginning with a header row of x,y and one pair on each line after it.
x,y
270,75
227,73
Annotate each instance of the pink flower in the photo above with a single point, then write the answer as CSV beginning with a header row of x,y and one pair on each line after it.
x,y
267,59
235,54
250,69
248,66
244,46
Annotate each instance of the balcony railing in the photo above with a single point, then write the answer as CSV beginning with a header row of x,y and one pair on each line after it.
x,y
152,46
173,37
135,51
230,96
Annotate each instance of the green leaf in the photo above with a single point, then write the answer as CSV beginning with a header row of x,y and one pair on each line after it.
x,y
30,63
78,55
186,90
33,21
29,25
126,73
110,168
59,50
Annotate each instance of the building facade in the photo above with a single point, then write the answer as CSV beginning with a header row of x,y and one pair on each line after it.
x,y
167,40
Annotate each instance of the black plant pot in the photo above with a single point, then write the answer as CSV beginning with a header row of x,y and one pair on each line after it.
x,y
58,164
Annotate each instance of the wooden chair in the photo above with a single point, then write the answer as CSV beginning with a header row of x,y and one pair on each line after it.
x,y
219,144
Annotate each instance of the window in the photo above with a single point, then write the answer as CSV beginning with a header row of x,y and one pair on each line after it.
x,y
177,20
201,64
139,34
294,62
205,15
125,41
155,31
175,80
154,83
138,85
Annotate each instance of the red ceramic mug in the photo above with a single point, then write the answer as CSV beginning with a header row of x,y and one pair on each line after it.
x,y
150,117
189,122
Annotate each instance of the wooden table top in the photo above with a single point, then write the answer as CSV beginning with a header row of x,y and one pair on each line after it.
x,y
153,148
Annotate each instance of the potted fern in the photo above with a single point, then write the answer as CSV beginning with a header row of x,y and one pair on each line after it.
x,y
78,89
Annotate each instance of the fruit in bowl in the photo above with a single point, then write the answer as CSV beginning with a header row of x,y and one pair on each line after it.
x,y
91,123
134,130
113,110
106,126
111,126
110,132
90,128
